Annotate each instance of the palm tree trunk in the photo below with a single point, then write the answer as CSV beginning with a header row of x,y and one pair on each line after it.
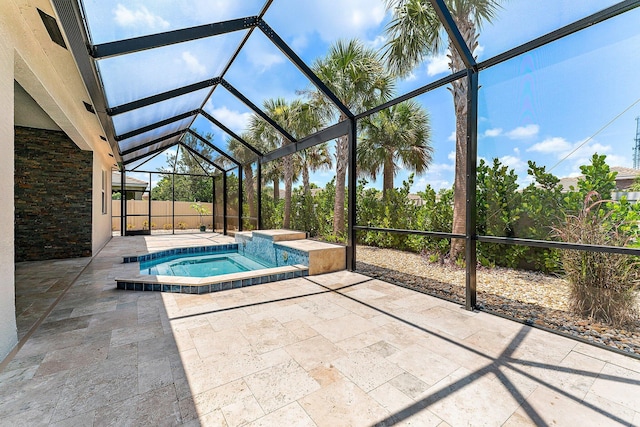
x,y
342,155
306,186
249,188
459,92
276,189
387,174
288,183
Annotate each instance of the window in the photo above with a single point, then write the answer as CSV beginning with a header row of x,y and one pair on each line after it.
x,y
104,192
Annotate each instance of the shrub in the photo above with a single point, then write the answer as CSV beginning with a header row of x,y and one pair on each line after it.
x,y
603,284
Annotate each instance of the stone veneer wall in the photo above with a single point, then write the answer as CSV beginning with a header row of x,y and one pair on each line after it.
x,y
53,187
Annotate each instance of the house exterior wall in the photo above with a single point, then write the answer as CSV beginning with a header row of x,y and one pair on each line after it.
x,y
53,196
8,329
49,75
101,217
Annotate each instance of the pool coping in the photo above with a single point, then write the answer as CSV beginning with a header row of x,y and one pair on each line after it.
x,y
134,281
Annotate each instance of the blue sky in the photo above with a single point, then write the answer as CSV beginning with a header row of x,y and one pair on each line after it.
x,y
541,106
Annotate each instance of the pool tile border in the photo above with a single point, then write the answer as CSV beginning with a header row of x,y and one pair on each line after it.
x,y
197,286
193,250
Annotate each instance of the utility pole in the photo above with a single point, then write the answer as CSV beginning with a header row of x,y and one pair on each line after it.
x,y
636,147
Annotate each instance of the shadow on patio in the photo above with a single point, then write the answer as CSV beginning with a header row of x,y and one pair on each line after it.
x,y
337,349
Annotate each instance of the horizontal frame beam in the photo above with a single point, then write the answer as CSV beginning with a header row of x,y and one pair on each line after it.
x,y
332,132
157,150
550,244
137,44
156,125
436,234
417,92
153,142
164,96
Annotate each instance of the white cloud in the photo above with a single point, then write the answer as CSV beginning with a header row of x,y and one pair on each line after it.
x,y
193,64
551,145
299,43
234,120
441,167
452,137
356,18
479,51
437,64
139,17
376,43
523,132
411,77
516,150
493,132
512,162
263,54
452,156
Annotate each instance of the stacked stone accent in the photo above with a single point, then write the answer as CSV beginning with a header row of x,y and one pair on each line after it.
x,y
53,188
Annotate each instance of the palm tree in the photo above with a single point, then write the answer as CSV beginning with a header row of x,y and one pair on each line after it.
x,y
313,159
357,76
292,117
246,157
416,32
398,135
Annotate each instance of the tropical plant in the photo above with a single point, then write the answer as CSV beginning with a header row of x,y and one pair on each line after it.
x,y
603,284
398,136
296,118
246,157
357,76
414,33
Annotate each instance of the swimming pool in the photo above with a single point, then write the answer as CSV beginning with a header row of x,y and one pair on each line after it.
x,y
202,265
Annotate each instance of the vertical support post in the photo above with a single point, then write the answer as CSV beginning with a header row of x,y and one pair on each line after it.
x,y
224,203
123,203
149,215
240,185
173,203
351,201
213,203
471,209
259,204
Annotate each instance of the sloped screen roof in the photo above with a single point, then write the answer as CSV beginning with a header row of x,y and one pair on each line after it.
x,y
162,74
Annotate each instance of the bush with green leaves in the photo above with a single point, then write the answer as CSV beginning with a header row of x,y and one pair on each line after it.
x,y
603,285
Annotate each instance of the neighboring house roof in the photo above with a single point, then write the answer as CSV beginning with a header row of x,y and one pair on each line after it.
x,y
416,199
131,183
624,174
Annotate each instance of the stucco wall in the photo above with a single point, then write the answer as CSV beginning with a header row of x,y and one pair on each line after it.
x,y
101,221
49,75
53,196
8,331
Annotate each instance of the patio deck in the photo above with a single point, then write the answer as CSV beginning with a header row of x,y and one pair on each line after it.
x,y
330,350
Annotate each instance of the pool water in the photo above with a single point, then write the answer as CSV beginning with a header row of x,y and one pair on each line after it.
x,y
201,265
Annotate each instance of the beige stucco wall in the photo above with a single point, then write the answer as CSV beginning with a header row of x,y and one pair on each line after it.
x,y
8,332
49,75
101,222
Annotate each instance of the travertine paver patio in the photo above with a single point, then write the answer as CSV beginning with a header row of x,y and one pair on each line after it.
x,y
331,350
